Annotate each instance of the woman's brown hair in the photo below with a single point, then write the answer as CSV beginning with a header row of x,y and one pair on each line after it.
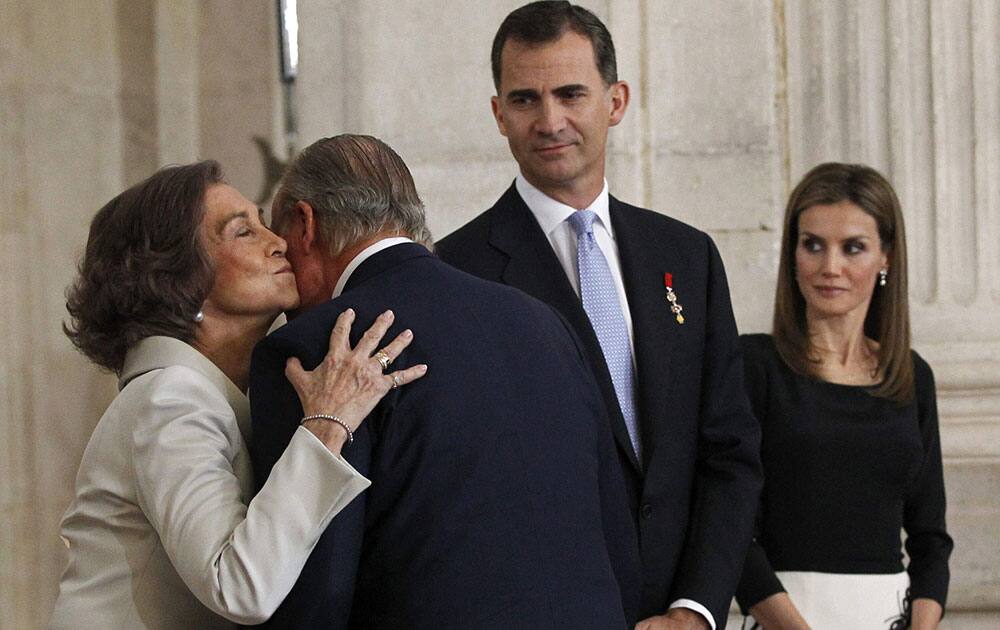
x,y
144,271
888,318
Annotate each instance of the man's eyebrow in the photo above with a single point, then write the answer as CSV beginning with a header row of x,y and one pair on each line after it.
x,y
525,93
221,225
563,90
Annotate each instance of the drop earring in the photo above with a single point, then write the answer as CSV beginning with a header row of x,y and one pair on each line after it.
x,y
882,275
200,316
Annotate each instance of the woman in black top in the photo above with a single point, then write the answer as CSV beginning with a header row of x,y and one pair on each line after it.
x,y
848,415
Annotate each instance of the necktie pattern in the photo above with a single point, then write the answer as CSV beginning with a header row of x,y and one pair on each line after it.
x,y
600,301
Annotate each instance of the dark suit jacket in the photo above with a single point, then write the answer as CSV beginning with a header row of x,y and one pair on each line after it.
x,y
694,497
496,498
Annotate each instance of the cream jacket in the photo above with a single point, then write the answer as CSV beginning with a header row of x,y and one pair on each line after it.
x,y
160,534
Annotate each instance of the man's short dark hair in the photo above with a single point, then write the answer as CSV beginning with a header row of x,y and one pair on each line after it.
x,y
546,21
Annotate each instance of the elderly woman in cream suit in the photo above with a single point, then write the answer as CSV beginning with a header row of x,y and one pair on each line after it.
x,y
180,279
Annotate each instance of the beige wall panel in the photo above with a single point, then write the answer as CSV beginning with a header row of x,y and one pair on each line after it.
x,y
453,193
974,523
954,147
986,81
911,139
711,84
236,61
62,132
750,259
137,88
175,91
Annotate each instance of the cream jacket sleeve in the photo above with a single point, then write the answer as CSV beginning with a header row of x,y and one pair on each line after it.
x,y
192,480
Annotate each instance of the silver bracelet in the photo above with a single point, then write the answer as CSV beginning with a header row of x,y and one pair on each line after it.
x,y
324,416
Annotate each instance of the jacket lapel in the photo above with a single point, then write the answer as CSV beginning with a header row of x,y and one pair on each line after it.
x,y
532,266
386,259
644,260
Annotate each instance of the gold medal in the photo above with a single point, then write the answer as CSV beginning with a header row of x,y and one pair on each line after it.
x,y
675,307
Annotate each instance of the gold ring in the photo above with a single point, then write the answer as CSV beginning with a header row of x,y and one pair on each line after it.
x,y
383,359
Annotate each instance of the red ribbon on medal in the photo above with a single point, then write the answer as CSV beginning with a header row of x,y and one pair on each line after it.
x,y
675,307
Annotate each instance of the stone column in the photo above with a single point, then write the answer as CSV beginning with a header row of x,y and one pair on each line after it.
x,y
233,90
94,97
911,88
61,137
712,145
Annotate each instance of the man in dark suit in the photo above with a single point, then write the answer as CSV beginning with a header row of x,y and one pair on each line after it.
x,y
496,498
647,296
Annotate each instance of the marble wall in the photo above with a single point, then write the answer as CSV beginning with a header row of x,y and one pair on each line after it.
x,y
733,100
94,96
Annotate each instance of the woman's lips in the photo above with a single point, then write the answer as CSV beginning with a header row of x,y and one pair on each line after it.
x,y
827,291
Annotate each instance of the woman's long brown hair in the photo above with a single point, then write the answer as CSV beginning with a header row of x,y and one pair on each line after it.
x,y
888,318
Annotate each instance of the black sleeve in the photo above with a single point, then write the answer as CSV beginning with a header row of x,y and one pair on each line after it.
x,y
728,477
927,541
758,581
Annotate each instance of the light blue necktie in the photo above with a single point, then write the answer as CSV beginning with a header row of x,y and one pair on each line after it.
x,y
600,301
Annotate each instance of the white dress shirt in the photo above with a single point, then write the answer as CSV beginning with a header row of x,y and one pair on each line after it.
x,y
364,255
551,216
160,534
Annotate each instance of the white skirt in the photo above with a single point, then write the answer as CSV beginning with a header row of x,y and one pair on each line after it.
x,y
836,601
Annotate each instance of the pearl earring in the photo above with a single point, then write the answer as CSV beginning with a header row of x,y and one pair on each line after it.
x,y
200,316
882,275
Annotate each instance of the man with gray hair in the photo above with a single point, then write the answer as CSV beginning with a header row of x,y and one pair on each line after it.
x,y
496,499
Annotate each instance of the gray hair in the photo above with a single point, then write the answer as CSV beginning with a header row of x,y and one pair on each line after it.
x,y
357,186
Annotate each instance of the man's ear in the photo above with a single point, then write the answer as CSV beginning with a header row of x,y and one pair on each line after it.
x,y
498,115
619,93
304,225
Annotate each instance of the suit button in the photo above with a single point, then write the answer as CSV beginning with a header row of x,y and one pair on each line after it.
x,y
646,511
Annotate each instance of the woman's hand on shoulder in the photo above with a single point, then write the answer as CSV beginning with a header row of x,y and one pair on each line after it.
x,y
350,382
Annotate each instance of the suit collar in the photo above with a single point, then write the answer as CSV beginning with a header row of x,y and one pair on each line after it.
x,y
645,257
383,260
551,213
154,353
532,266
364,255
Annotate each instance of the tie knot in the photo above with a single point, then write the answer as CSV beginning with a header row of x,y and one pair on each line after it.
x,y
583,222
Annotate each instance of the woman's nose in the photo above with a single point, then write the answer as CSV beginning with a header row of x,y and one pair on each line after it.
x,y
278,245
831,264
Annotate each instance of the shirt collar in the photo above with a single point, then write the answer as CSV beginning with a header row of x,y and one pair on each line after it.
x,y
550,213
364,255
157,352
